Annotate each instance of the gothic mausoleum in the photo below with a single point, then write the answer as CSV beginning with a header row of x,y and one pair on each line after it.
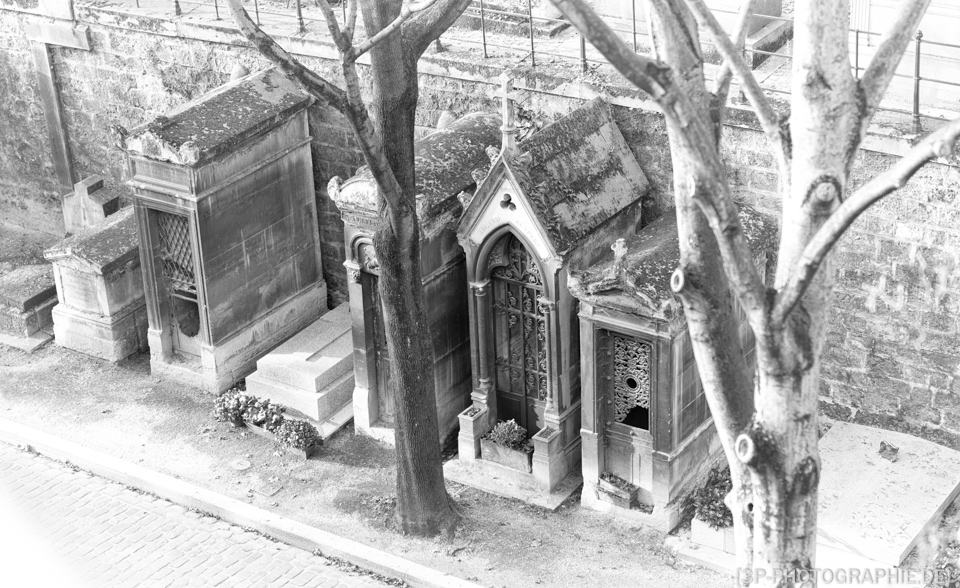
x,y
445,161
547,206
227,223
646,427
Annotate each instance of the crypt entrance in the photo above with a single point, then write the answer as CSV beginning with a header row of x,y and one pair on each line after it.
x,y
519,334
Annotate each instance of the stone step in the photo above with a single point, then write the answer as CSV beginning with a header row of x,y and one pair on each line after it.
x,y
315,405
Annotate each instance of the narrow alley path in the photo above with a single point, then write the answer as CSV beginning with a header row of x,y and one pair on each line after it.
x,y
71,529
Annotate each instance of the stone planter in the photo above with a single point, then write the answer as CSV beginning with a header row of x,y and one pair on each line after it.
x,y
614,494
703,534
517,459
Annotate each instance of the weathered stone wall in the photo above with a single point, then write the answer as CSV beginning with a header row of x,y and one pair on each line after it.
x,y
893,353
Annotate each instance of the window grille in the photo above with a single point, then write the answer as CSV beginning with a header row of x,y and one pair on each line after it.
x,y
631,376
176,254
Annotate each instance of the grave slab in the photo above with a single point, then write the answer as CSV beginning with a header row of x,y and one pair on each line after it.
x,y
876,508
27,297
312,372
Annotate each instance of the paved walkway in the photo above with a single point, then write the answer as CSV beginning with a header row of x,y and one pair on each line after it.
x,y
71,529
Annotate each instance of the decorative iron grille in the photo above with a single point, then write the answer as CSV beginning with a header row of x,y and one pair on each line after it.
x,y
176,254
520,330
631,376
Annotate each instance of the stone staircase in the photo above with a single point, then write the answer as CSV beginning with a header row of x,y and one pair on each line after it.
x,y
312,373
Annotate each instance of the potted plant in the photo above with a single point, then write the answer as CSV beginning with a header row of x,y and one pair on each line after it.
x,y
616,490
508,446
712,524
299,436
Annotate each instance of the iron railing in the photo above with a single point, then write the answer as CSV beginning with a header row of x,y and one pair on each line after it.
x,y
516,33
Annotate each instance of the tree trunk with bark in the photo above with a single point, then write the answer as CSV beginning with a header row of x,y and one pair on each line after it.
x,y
769,429
397,35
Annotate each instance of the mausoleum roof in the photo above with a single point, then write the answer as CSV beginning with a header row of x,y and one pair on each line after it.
x,y
102,247
640,281
445,161
211,124
576,174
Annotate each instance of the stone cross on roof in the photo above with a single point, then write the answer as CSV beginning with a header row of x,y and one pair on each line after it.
x,y
508,148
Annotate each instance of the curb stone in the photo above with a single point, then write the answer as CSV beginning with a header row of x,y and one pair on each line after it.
x,y
233,511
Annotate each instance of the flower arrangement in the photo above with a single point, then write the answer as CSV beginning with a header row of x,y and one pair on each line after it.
x,y
230,406
298,435
264,414
509,434
708,499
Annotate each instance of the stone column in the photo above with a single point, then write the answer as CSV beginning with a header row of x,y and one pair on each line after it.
x,y
481,290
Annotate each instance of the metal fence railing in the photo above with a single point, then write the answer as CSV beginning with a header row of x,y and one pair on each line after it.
x,y
527,36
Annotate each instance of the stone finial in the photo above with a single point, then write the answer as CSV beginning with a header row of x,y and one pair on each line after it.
x,y
446,119
619,251
239,70
509,129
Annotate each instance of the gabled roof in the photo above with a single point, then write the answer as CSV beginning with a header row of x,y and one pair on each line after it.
x,y
209,125
575,174
444,160
106,245
640,280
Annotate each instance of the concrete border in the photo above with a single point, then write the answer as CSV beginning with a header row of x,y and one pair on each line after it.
x,y
228,509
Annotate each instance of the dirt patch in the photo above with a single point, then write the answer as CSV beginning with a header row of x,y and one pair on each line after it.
x,y
123,410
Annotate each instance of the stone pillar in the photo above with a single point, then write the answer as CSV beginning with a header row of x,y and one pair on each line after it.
x,y
482,317
591,448
551,414
366,407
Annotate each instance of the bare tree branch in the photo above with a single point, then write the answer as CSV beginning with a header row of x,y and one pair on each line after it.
x,y
427,25
725,74
313,84
769,120
712,193
350,26
884,64
937,144
406,12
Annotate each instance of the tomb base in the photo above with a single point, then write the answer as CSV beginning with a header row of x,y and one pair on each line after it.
x,y
112,338
510,483
218,367
27,297
663,518
312,373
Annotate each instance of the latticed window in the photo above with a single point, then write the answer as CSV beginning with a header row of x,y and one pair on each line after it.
x,y
519,332
176,254
631,376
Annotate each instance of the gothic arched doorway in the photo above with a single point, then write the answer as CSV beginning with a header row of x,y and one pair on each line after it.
x,y
519,336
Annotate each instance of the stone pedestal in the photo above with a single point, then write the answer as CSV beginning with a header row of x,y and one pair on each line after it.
x,y
89,204
101,310
312,373
27,297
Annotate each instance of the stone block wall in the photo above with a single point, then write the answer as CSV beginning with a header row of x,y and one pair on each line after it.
x,y
891,357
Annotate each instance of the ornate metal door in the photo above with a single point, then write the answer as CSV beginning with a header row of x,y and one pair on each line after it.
x,y
180,283
626,394
519,338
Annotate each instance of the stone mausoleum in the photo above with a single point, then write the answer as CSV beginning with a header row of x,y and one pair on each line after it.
x,y
445,161
226,214
645,419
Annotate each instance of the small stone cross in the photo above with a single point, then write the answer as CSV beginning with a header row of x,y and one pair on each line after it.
x,y
509,130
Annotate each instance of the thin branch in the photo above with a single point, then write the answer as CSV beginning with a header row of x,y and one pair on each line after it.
x,y
725,74
427,25
351,23
313,84
884,63
406,11
769,120
359,117
937,144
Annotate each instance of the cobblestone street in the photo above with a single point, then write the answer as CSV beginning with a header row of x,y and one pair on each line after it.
x,y
70,529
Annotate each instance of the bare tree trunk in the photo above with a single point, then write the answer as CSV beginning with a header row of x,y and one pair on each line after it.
x,y
422,504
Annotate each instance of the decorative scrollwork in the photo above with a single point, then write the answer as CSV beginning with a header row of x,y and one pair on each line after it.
x,y
631,375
